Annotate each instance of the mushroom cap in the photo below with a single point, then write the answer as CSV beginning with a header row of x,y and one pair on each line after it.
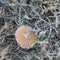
x,y
25,37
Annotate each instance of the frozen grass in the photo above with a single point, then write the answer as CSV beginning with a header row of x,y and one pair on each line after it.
x,y
43,16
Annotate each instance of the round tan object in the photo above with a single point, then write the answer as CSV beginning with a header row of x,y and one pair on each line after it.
x,y
25,37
